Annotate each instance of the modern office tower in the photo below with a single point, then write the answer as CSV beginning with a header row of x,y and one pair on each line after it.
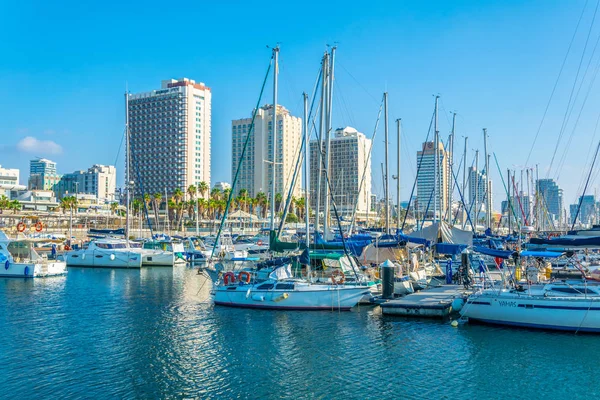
x,y
257,166
169,137
426,195
349,161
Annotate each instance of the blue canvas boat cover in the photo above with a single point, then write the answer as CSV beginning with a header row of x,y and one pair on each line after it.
x,y
493,252
545,254
450,248
590,241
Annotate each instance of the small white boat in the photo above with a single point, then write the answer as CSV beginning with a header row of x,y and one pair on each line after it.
x,y
282,292
105,253
19,259
567,306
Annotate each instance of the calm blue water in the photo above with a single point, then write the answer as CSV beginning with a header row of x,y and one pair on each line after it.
x,y
152,333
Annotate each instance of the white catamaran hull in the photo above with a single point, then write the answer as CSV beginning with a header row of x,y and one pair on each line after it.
x,y
33,270
104,259
569,314
317,297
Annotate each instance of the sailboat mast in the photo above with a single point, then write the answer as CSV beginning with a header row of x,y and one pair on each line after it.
x,y
451,180
436,161
328,141
399,130
387,167
464,184
274,146
487,172
320,141
476,194
127,161
306,170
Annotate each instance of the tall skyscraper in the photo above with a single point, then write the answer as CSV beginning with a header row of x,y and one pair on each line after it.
x,y
426,179
477,191
551,199
349,160
256,169
169,137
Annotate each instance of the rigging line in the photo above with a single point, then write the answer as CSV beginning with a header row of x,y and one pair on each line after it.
x,y
367,162
419,164
405,148
359,84
445,112
556,82
342,101
239,167
565,118
587,160
591,85
585,188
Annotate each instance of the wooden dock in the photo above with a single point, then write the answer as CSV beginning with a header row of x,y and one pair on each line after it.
x,y
437,302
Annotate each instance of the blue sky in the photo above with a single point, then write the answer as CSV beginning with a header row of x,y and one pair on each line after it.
x,y
64,70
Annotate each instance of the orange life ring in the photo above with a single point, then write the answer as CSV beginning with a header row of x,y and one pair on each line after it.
x,y
338,277
228,278
244,276
38,226
260,243
21,227
67,247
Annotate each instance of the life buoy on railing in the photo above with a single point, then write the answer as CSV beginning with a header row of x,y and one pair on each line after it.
x,y
244,276
228,278
67,247
338,277
21,227
260,243
38,226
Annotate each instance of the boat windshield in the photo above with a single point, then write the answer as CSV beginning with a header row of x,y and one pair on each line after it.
x,y
111,245
22,251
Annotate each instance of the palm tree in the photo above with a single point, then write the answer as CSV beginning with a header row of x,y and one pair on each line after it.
x,y
263,202
215,194
15,205
113,207
278,200
156,201
192,191
202,188
243,196
301,205
4,203
202,203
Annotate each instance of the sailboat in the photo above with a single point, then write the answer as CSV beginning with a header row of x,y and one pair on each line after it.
x,y
271,285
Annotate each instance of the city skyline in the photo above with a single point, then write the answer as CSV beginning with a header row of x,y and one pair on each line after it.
x,y
78,102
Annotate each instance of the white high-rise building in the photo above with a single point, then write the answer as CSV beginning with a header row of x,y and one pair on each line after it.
x,y
170,132
479,196
426,178
256,169
349,161
99,180
9,180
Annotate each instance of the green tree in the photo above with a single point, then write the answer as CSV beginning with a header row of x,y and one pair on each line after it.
x,y
202,188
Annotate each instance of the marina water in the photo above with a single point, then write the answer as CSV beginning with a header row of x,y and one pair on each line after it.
x,y
153,333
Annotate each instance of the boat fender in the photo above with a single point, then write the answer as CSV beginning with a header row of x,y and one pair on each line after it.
x,y
7,264
248,293
282,297
258,297
83,256
457,304
112,257
26,272
454,323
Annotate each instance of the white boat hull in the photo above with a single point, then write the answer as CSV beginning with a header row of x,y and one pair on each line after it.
x,y
313,297
33,270
103,259
568,314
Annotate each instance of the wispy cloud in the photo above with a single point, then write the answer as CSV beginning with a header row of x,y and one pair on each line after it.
x,y
29,144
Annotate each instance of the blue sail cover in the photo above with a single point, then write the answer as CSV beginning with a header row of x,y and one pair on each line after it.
x,y
590,241
415,240
545,254
493,252
450,248
354,247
